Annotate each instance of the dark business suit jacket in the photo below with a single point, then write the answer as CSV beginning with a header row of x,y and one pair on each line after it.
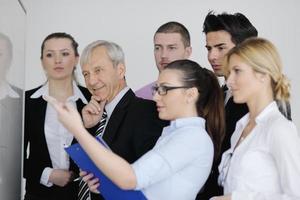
x,y
39,158
133,128
233,112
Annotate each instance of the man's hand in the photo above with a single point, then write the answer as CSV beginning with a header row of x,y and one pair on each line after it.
x,y
61,177
92,182
92,112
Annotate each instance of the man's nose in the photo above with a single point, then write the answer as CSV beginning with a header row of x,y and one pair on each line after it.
x,y
213,55
164,53
156,96
92,79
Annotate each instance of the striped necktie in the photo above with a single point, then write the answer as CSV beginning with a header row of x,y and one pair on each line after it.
x,y
84,193
101,124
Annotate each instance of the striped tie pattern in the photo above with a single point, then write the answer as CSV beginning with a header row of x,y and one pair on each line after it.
x,y
101,124
84,193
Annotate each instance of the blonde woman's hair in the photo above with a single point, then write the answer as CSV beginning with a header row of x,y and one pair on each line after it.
x,y
264,58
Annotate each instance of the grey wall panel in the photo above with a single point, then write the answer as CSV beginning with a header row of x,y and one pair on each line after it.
x,y
12,35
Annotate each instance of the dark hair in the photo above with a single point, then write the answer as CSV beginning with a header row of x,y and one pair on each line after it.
x,y
176,27
210,104
237,25
61,35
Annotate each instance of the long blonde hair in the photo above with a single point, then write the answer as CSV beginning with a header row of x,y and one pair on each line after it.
x,y
263,57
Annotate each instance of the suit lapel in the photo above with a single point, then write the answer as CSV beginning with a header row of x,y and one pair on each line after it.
x,y
79,106
38,108
117,118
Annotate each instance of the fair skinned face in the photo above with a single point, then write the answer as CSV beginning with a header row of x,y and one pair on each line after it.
x,y
218,43
184,106
246,84
169,47
59,59
102,78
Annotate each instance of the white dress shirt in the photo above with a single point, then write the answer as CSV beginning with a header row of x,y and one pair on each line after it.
x,y
109,107
179,163
57,136
266,164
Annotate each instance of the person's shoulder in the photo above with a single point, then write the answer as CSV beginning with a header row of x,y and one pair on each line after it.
x,y
86,93
144,107
138,105
141,102
82,88
277,120
28,93
146,87
281,129
146,91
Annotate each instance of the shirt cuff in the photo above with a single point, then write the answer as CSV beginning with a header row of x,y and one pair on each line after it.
x,y
45,177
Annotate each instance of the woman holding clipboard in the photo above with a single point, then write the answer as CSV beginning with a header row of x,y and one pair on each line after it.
x,y
177,167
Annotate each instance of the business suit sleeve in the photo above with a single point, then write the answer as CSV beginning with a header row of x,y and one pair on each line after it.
x,y
38,158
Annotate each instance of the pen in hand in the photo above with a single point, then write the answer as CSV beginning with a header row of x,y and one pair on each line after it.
x,y
79,178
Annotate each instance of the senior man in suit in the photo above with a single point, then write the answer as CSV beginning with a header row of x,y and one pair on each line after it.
x,y
132,125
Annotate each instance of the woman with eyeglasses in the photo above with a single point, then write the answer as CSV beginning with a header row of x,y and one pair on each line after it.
x,y
263,162
177,167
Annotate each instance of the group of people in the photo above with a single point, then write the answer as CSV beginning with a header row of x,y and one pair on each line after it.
x,y
182,136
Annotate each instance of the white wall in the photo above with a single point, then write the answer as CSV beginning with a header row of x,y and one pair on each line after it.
x,y
133,23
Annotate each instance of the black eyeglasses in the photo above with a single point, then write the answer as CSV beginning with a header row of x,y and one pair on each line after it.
x,y
163,90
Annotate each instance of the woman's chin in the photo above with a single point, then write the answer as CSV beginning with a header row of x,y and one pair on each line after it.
x,y
163,116
238,100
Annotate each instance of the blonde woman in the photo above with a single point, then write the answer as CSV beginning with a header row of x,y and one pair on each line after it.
x,y
264,159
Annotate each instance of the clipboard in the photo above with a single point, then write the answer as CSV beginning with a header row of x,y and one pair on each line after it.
x,y
107,188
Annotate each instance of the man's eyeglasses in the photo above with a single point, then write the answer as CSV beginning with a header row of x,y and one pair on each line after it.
x,y
163,90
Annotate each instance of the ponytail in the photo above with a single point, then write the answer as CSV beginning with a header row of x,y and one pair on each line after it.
x,y
281,95
281,88
213,111
210,104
